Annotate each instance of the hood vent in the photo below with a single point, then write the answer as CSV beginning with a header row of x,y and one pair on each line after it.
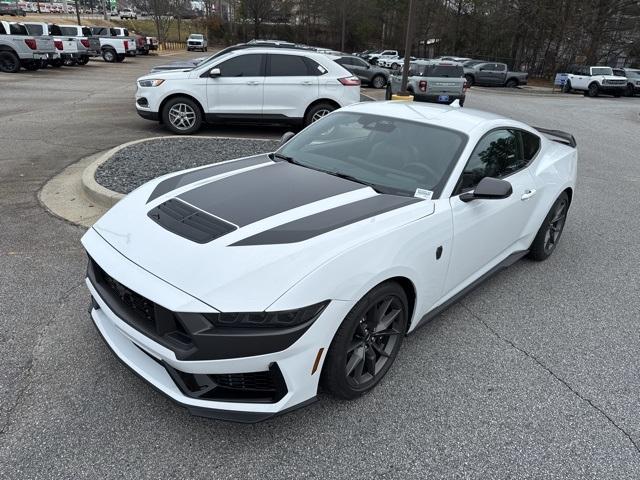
x,y
187,221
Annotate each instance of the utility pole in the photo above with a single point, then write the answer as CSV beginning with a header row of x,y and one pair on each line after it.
x,y
344,24
77,11
407,48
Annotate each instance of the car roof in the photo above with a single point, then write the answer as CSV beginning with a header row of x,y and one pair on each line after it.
x,y
460,119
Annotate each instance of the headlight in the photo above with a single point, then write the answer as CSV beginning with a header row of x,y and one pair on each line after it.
x,y
150,83
283,319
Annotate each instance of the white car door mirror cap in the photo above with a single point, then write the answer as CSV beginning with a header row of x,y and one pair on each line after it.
x,y
214,72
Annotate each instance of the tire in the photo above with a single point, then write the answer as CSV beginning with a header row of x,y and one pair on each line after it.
x,y
9,62
120,57
566,88
318,111
388,93
83,60
56,63
367,342
69,62
378,81
205,49
394,66
109,55
461,101
31,66
617,94
511,83
182,116
593,90
550,231
470,80
629,92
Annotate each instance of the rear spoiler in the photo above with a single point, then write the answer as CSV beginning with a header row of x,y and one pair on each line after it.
x,y
560,136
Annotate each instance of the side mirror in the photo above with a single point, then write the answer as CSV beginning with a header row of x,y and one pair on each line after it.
x,y
286,137
214,72
489,189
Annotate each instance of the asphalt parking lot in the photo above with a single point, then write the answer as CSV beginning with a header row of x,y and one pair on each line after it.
x,y
533,375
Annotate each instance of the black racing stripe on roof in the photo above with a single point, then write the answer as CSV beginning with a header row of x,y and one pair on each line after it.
x,y
263,192
216,169
323,222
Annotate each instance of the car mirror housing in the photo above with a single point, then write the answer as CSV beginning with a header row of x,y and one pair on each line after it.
x,y
489,189
214,72
286,137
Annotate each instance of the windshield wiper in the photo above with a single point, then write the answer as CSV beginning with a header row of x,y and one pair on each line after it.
x,y
283,157
346,176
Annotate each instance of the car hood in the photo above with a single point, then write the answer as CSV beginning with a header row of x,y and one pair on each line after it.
x,y
239,234
181,65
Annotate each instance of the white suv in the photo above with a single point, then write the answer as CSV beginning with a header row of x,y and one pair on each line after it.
x,y
256,84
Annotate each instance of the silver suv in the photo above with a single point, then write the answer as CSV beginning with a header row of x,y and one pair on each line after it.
x,y
431,81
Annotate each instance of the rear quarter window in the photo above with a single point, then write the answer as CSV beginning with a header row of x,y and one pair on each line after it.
x,y
32,30
530,145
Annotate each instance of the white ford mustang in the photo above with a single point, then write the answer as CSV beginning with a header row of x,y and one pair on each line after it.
x,y
238,288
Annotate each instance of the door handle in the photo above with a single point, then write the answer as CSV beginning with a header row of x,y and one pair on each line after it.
x,y
528,193
253,82
307,82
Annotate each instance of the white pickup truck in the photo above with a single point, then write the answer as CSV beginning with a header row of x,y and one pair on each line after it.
x,y
124,34
86,39
68,49
114,49
594,81
19,49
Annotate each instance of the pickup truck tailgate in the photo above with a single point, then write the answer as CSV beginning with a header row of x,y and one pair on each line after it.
x,y
445,86
45,44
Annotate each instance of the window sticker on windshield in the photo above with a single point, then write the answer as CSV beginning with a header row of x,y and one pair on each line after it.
x,y
423,193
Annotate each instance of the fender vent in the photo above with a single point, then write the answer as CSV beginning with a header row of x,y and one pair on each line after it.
x,y
187,221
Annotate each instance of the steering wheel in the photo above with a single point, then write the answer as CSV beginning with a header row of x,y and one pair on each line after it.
x,y
416,166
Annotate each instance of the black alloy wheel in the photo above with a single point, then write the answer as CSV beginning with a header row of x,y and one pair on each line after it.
x,y
367,343
9,62
549,234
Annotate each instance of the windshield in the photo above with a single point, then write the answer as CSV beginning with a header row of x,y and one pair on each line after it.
x,y
633,73
71,31
392,155
197,37
601,71
447,71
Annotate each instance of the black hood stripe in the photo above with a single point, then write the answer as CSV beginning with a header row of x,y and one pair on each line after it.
x,y
263,192
323,222
178,181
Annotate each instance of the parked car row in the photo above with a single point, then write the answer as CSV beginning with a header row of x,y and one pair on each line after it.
x,y
34,45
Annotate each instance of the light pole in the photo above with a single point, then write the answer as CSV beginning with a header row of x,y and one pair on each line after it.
x,y
344,24
407,49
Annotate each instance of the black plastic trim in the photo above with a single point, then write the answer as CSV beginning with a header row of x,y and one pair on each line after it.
x,y
323,222
149,115
510,260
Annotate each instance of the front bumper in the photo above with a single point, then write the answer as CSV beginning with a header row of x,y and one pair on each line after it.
x,y
612,89
291,369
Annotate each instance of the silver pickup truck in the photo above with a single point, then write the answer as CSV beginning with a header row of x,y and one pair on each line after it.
x,y
430,81
114,49
68,49
19,49
492,74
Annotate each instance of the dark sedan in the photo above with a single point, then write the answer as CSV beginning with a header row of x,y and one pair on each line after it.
x,y
376,77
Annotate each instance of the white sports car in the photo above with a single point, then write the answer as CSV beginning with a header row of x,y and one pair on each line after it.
x,y
238,288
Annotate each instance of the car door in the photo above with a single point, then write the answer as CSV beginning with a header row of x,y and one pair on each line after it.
x,y
238,90
486,231
291,85
579,79
484,75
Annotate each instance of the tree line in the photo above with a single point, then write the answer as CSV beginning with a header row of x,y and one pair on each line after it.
x,y
539,36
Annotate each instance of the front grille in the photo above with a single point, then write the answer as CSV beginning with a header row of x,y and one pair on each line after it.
x,y
188,222
255,387
141,313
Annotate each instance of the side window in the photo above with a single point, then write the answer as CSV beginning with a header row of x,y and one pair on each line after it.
x,y
358,62
314,68
242,66
501,67
35,30
530,145
496,155
288,66
344,61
